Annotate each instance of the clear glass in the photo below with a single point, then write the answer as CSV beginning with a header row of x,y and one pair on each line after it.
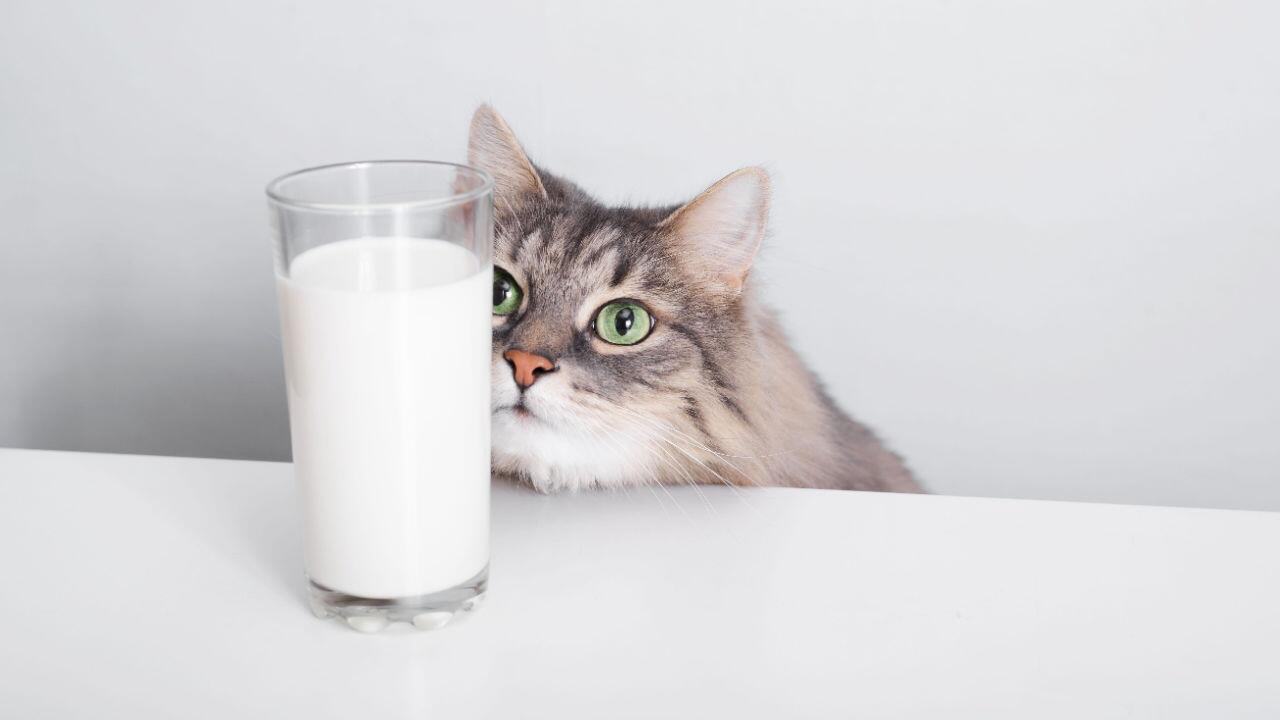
x,y
384,276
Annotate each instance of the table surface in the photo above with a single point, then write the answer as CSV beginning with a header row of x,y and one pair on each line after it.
x,y
140,587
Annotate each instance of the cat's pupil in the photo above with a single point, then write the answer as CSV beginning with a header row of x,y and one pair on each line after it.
x,y
623,321
501,291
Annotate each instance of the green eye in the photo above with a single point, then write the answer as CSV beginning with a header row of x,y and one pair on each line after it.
x,y
623,322
506,293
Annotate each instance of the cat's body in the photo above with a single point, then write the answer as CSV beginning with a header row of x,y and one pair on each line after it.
x,y
629,348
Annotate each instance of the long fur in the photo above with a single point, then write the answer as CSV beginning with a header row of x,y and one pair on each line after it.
x,y
715,394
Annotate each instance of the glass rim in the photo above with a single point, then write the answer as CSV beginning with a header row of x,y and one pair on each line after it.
x,y
276,196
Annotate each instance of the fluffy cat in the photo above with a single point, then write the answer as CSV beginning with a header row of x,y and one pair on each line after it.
x,y
629,348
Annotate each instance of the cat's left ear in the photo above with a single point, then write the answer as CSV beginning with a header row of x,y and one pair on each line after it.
x,y
493,147
722,228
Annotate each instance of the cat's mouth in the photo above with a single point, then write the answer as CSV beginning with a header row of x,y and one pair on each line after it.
x,y
520,409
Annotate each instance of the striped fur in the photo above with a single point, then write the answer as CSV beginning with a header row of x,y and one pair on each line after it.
x,y
715,394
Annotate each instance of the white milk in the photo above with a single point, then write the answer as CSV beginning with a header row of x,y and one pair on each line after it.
x,y
386,346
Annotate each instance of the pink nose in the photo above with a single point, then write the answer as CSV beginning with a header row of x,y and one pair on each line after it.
x,y
526,367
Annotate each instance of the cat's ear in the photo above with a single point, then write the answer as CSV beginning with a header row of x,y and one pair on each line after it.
x,y
495,149
722,228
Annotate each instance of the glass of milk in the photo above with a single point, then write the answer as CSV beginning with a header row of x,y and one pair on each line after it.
x,y
385,280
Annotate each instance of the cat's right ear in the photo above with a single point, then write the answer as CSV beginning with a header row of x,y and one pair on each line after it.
x,y
495,149
722,228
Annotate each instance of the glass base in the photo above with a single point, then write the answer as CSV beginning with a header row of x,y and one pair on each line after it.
x,y
424,612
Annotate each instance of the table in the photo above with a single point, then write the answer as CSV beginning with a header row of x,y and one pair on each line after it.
x,y
156,587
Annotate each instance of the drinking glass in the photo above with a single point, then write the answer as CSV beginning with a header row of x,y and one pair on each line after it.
x,y
384,277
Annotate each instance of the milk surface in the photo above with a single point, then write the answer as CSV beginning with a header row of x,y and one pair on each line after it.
x,y
387,345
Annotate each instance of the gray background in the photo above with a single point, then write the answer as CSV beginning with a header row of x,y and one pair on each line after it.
x,y
1035,244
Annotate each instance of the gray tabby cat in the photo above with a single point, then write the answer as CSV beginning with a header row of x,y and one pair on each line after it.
x,y
628,347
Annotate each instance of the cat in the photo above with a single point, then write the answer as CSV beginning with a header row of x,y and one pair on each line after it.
x,y
629,347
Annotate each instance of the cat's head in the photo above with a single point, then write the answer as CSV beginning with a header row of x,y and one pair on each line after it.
x,y
619,334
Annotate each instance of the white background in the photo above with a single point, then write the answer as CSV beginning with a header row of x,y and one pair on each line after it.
x,y
1035,244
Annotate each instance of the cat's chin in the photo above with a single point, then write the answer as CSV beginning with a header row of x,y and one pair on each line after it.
x,y
552,457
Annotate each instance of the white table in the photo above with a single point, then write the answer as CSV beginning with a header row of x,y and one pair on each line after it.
x,y
149,587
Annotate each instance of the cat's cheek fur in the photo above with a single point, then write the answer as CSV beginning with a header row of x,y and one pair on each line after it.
x,y
555,459
560,448
503,390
